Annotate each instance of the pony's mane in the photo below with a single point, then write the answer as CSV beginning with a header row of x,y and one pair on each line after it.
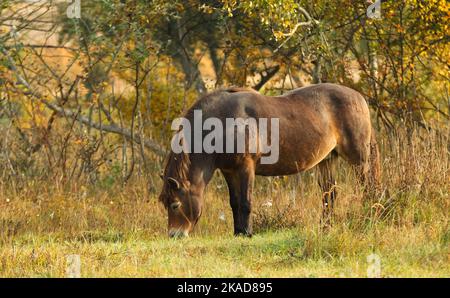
x,y
239,89
177,167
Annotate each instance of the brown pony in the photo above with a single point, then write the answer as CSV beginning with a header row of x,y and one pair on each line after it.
x,y
317,123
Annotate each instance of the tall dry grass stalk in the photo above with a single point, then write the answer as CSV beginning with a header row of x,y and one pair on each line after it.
x,y
415,179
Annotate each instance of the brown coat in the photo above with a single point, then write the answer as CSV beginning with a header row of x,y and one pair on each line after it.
x,y
316,123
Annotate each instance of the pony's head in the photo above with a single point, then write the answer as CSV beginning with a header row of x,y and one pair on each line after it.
x,y
182,202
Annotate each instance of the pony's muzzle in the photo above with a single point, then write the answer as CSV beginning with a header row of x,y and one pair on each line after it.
x,y
177,233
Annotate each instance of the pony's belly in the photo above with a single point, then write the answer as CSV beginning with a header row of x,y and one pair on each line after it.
x,y
270,170
285,167
294,162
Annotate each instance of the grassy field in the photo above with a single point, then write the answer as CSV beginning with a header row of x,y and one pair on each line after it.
x,y
121,230
289,253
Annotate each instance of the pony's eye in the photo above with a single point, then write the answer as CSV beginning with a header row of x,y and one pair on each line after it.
x,y
175,205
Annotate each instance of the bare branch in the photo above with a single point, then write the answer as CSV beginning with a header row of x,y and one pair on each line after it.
x,y
112,128
310,21
269,73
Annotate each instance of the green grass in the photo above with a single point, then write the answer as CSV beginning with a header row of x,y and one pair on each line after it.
x,y
286,253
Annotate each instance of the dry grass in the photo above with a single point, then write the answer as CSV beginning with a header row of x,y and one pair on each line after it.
x,y
121,230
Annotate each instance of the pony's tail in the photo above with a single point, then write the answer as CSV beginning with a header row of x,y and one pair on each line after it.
x,y
374,167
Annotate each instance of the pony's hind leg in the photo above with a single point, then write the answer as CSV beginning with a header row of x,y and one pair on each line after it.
x,y
328,185
356,151
359,160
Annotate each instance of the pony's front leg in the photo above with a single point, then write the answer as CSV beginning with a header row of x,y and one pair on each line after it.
x,y
232,180
240,187
247,178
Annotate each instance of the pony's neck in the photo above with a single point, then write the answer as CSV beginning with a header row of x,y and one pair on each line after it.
x,y
201,170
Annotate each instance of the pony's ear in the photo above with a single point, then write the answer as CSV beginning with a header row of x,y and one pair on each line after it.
x,y
174,184
161,176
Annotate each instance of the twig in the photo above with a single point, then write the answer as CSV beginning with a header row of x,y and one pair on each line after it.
x,y
112,128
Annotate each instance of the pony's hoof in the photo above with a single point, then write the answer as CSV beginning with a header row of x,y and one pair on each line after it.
x,y
243,234
326,228
325,225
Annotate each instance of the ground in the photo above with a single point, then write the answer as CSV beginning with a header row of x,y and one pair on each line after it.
x,y
121,230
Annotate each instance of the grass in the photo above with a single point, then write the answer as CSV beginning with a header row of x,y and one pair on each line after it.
x,y
121,230
287,253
